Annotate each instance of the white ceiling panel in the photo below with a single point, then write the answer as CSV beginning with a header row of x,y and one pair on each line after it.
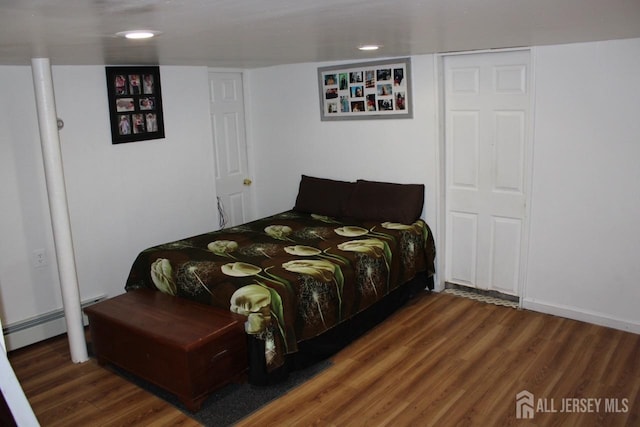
x,y
258,33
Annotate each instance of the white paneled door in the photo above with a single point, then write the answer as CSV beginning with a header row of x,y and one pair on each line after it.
x,y
487,103
228,124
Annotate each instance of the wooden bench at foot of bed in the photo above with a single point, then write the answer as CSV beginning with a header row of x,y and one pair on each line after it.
x,y
187,348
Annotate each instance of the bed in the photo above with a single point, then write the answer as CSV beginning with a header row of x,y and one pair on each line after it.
x,y
308,279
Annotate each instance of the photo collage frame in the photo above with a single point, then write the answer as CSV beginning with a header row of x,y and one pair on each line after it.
x,y
369,90
135,103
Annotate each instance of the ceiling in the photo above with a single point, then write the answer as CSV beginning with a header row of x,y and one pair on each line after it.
x,y
258,33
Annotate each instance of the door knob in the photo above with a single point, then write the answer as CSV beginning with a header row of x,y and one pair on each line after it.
x,y
247,182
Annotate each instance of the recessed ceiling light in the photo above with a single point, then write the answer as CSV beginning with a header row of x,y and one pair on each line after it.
x,y
138,34
369,47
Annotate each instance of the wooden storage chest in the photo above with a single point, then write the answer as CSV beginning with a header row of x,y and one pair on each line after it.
x,y
187,348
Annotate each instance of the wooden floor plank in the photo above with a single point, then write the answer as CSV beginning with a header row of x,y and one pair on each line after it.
x,y
441,360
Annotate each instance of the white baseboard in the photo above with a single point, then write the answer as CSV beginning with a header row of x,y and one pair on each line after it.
x,y
580,314
41,327
25,337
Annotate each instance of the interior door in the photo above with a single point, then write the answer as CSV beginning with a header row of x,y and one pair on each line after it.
x,y
487,103
233,182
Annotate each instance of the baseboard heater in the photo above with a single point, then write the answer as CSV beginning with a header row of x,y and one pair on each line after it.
x,y
40,327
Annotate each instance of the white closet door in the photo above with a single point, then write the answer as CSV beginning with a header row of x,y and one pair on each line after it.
x,y
487,103
230,146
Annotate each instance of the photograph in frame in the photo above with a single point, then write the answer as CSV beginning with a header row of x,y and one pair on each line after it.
x,y
135,103
367,90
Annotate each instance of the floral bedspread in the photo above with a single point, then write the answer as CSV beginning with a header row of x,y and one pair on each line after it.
x,y
294,275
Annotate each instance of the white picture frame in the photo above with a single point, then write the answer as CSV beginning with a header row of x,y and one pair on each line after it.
x,y
366,90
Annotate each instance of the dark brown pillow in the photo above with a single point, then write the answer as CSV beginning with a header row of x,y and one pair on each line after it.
x,y
385,201
323,196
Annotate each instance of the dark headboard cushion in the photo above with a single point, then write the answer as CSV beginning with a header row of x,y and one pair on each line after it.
x,y
323,196
385,201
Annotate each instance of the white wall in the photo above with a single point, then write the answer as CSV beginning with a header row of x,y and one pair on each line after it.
x,y
289,139
122,198
584,256
25,224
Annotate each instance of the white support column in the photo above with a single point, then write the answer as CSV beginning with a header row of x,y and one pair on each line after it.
x,y
54,174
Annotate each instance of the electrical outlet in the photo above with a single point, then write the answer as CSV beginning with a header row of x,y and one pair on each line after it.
x,y
39,258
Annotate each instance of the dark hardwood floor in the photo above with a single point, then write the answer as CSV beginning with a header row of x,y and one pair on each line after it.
x,y
441,360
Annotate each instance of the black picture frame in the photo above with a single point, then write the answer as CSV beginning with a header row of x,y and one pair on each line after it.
x,y
135,103
366,90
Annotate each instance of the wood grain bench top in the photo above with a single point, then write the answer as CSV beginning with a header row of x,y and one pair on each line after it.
x,y
170,319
